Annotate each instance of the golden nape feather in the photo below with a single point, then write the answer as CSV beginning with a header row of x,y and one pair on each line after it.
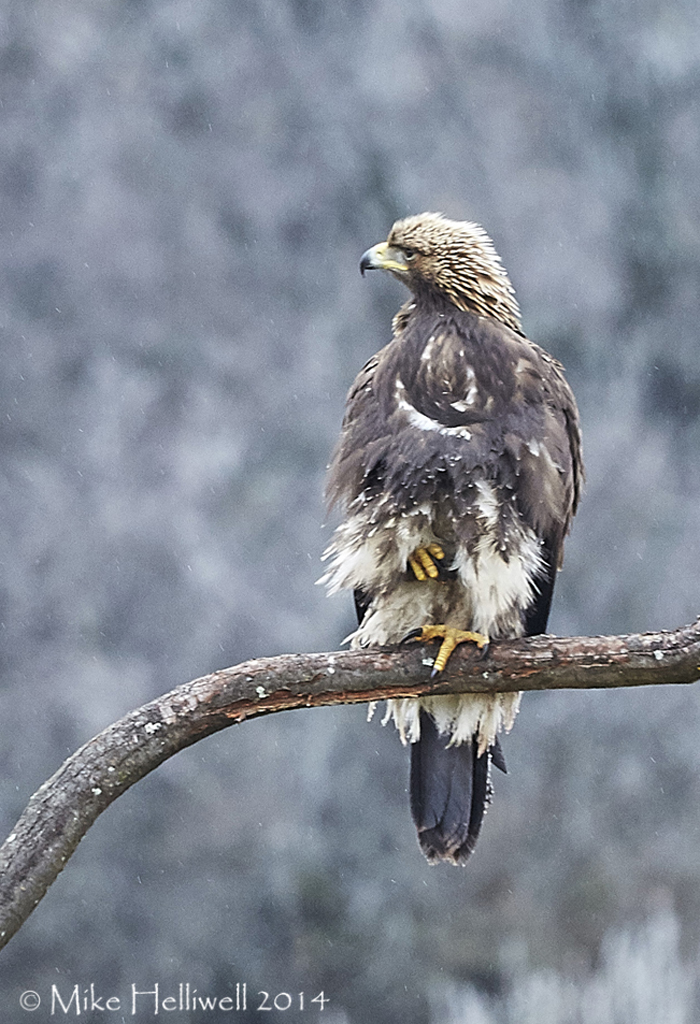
x,y
458,259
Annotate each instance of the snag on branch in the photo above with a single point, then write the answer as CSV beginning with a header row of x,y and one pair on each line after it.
x,y
63,809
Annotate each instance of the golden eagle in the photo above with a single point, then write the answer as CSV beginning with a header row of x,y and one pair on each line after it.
x,y
459,469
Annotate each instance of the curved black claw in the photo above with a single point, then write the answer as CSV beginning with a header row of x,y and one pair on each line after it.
x,y
413,634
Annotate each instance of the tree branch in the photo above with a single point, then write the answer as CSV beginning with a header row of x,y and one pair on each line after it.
x,y
63,809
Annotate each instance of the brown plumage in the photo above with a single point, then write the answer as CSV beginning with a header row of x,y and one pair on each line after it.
x,y
460,452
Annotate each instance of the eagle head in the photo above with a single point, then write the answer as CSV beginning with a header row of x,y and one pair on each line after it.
x,y
455,259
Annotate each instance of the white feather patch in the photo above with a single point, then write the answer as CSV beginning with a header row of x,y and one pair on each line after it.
x,y
367,555
370,552
458,717
421,421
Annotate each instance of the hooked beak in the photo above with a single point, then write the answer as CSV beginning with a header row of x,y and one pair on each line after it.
x,y
383,257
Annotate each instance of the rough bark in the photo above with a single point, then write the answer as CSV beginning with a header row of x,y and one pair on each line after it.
x,y
63,809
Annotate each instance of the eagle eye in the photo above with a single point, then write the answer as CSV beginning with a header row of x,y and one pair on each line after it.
x,y
409,254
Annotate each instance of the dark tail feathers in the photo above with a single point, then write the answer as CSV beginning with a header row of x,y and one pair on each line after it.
x,y
450,791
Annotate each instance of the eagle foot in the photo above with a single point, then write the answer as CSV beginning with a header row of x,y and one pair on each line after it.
x,y
451,638
422,561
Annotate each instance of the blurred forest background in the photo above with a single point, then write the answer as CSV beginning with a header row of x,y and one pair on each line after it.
x,y
186,190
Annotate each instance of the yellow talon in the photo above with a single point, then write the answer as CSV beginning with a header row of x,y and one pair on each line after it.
x,y
450,637
421,561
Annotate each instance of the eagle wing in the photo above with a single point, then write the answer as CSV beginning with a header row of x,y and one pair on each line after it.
x,y
453,401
